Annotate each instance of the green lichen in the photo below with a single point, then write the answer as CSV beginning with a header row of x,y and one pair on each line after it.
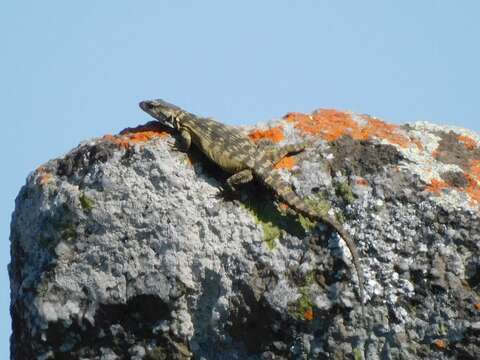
x,y
265,215
320,205
344,190
357,354
302,309
86,203
304,306
340,217
270,234
42,288
274,222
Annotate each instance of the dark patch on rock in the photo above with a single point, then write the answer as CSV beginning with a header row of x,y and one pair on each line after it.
x,y
117,326
129,156
253,322
464,350
137,316
397,187
354,157
474,279
80,160
451,150
455,179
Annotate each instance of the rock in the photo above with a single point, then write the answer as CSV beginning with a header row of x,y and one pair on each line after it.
x,y
126,248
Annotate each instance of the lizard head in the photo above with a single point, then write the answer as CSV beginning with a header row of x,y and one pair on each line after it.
x,y
168,114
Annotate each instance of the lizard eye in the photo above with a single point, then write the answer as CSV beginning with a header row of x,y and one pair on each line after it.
x,y
146,105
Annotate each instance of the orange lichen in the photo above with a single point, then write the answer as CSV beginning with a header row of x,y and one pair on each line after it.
x,y
283,206
440,344
138,135
297,117
477,306
308,314
380,129
467,141
436,186
144,136
475,168
288,162
361,181
473,188
332,124
274,134
472,175
44,176
418,143
118,140
327,123
473,178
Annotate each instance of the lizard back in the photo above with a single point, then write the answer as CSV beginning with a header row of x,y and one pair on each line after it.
x,y
223,144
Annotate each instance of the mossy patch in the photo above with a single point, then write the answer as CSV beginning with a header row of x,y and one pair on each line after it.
x,y
42,288
302,309
86,203
344,190
357,354
274,223
320,205
270,234
340,217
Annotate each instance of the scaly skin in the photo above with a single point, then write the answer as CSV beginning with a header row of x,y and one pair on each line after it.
x,y
238,155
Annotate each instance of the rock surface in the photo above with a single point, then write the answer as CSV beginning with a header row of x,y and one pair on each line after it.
x,y
127,249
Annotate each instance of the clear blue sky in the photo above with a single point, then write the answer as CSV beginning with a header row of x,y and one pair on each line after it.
x,y
71,70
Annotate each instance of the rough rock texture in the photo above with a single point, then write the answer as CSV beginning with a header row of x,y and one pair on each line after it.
x,y
127,249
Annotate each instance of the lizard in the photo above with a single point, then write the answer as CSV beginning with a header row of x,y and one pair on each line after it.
x,y
239,156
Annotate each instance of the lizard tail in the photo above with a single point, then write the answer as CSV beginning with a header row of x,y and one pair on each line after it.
x,y
283,190
272,179
353,250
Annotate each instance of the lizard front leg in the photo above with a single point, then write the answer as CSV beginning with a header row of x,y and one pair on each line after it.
x,y
184,141
241,177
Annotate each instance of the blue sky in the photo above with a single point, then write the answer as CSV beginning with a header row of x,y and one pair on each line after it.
x,y
74,70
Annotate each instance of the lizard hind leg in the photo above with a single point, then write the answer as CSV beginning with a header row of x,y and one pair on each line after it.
x,y
275,154
241,177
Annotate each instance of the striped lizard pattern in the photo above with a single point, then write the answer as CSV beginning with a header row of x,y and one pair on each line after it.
x,y
236,154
